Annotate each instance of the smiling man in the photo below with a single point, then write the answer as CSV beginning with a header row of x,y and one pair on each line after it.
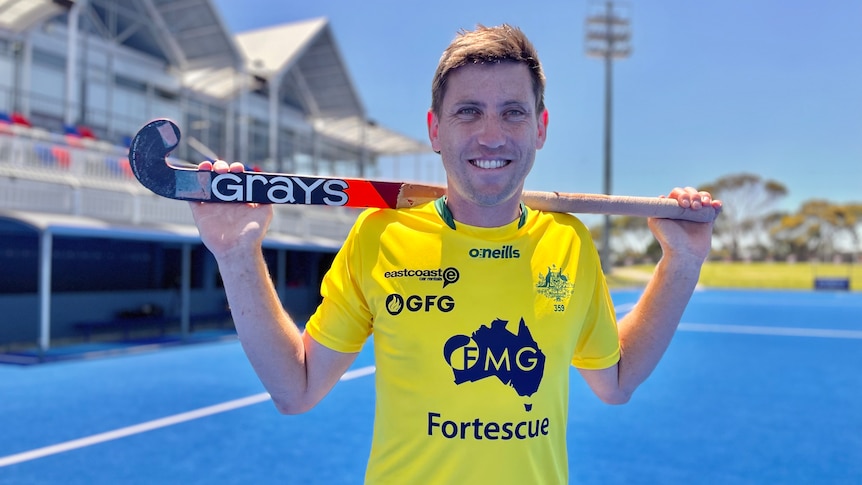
x,y
478,305
487,130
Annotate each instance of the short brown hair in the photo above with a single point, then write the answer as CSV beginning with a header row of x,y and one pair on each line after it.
x,y
487,45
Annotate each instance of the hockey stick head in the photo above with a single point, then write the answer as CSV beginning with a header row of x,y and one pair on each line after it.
x,y
148,160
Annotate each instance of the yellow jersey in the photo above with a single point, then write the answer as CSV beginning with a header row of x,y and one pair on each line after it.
x,y
474,333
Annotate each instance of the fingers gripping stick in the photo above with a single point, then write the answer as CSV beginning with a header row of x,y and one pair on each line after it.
x,y
150,148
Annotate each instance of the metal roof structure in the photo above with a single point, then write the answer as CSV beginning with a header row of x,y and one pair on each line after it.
x,y
187,34
79,226
357,130
18,16
303,62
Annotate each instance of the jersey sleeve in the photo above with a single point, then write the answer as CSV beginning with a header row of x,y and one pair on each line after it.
x,y
343,321
598,346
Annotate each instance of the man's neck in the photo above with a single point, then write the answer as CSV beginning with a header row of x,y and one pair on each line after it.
x,y
484,216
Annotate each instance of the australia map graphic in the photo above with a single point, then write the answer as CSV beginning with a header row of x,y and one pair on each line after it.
x,y
494,351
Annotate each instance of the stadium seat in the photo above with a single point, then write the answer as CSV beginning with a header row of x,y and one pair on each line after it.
x,y
126,167
20,119
61,155
43,154
5,123
113,166
86,132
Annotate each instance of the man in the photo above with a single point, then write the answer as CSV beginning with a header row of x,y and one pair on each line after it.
x,y
478,305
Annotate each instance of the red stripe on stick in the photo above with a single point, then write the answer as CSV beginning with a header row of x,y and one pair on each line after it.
x,y
367,193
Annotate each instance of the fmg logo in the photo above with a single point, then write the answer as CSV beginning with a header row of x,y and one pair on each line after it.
x,y
466,354
494,351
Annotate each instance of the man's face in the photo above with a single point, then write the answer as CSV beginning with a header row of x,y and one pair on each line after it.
x,y
488,132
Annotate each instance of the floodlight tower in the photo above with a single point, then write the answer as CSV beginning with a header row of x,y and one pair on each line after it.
x,y
608,36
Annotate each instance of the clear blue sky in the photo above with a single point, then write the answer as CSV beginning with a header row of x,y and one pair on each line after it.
x,y
771,87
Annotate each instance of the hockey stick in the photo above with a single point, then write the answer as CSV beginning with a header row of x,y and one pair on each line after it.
x,y
151,146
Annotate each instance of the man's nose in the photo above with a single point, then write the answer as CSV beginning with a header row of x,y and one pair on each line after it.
x,y
492,134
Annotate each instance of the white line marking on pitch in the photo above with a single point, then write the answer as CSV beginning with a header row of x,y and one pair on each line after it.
x,y
155,424
758,329
780,331
624,307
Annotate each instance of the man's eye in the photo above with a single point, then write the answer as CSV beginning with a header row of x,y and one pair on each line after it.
x,y
468,111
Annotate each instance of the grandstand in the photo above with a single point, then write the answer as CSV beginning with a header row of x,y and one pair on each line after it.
x,y
83,246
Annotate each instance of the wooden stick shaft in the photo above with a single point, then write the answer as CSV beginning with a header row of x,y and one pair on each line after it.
x,y
616,205
414,194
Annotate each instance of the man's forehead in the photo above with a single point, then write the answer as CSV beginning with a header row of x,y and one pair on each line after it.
x,y
482,81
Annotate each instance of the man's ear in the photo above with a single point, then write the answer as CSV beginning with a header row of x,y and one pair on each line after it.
x,y
433,126
543,129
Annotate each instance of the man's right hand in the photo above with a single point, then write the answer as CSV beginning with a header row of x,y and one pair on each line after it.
x,y
296,370
225,228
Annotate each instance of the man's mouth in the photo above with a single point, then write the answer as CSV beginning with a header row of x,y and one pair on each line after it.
x,y
489,164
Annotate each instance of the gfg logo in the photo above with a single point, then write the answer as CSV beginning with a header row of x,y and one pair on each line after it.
x,y
395,303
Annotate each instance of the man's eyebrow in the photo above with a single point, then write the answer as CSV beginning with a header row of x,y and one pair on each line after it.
x,y
525,106
481,104
468,102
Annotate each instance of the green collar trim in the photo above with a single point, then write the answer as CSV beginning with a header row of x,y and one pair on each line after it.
x,y
523,217
446,214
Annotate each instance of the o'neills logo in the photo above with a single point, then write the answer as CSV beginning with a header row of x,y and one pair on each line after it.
x,y
279,190
505,252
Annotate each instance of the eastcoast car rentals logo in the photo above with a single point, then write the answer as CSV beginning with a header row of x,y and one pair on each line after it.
x,y
447,276
279,190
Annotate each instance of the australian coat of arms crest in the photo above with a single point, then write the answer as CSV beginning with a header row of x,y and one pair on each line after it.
x,y
554,284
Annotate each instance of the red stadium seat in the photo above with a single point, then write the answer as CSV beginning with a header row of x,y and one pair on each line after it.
x,y
86,132
20,119
62,156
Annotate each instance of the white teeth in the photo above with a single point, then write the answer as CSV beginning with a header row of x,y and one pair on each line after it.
x,y
489,164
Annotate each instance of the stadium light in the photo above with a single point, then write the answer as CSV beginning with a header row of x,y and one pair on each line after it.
x,y
608,36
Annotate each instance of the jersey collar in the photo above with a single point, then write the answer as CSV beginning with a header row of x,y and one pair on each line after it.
x,y
446,214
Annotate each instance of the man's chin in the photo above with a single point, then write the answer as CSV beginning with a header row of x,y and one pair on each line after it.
x,y
493,199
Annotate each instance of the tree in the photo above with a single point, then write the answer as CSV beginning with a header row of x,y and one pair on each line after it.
x,y
775,247
632,236
748,201
855,227
820,229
